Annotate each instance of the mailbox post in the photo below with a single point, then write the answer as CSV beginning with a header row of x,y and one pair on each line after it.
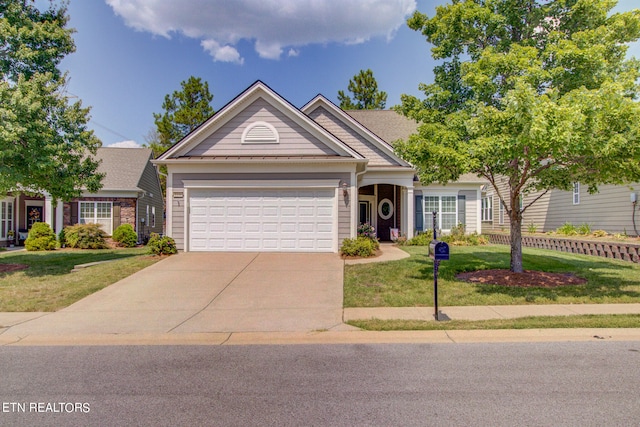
x,y
438,251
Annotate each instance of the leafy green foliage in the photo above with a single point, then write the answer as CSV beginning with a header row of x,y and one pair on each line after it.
x,y
360,246
41,238
125,236
421,239
85,236
366,96
164,245
567,229
530,95
584,229
44,140
600,233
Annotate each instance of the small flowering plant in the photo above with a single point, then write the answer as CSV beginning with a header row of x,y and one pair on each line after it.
x,y
367,230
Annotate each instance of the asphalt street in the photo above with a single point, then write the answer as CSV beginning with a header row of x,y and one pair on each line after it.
x,y
506,384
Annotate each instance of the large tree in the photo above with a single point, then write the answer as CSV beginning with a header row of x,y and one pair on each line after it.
x,y
45,145
531,95
184,110
366,96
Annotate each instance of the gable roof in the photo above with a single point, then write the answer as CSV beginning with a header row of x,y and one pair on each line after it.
x,y
257,91
123,167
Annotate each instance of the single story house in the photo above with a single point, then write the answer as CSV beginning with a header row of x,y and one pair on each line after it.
x,y
263,175
131,194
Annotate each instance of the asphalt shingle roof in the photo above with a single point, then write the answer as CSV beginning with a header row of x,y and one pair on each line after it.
x,y
123,167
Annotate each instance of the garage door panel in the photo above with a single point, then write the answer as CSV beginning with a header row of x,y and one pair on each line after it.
x,y
262,220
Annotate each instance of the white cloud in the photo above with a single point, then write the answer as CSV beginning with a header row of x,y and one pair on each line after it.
x,y
125,144
274,26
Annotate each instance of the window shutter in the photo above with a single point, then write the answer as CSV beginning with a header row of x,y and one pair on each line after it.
x,y
74,213
116,216
462,212
419,222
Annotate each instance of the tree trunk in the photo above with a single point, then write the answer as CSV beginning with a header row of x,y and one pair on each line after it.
x,y
516,241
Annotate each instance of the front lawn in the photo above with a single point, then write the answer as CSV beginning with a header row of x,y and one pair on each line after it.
x,y
49,285
409,282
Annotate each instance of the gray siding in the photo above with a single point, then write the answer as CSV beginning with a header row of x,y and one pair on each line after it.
x,y
353,139
150,183
294,139
178,222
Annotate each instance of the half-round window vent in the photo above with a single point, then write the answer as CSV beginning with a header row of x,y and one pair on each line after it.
x,y
260,133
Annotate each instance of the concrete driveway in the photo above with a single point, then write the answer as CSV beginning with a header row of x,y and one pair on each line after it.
x,y
210,292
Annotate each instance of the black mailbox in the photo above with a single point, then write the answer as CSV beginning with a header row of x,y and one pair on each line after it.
x,y
439,251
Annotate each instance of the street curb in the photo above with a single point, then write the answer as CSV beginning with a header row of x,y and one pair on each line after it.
x,y
329,337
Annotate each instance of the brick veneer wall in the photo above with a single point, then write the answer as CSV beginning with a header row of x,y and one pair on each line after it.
x,y
623,251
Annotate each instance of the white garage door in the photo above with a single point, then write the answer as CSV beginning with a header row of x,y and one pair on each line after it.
x,y
262,220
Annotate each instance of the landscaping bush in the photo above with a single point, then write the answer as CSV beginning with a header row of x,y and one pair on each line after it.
x,y
367,230
532,228
164,245
584,229
567,229
85,236
125,236
41,238
61,239
360,246
421,239
473,239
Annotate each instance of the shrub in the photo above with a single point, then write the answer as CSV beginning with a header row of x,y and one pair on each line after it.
x,y
41,238
473,239
567,229
367,230
360,246
164,245
85,236
532,228
421,239
125,236
61,238
584,229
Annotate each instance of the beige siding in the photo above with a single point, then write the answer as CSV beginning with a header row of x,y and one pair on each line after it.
x,y
471,206
294,139
344,218
350,137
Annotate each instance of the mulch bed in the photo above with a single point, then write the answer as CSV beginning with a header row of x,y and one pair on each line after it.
x,y
8,268
527,279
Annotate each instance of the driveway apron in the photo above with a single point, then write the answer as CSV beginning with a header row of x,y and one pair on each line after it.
x,y
210,292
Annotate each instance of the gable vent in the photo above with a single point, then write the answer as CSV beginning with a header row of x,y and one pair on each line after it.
x,y
260,133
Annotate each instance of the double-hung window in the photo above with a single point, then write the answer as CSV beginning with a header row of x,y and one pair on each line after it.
x,y
6,218
576,193
446,208
97,213
487,208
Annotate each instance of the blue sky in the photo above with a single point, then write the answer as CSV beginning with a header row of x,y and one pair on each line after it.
x,y
131,53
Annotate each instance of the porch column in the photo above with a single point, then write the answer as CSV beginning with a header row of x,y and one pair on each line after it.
x,y
410,212
48,211
59,216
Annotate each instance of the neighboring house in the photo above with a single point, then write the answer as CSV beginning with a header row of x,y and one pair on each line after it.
x,y
263,175
611,209
130,194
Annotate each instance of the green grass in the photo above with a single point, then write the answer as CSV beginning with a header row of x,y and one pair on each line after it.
x,y
49,285
409,282
587,321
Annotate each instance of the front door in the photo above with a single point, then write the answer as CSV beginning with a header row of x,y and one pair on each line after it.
x,y
34,214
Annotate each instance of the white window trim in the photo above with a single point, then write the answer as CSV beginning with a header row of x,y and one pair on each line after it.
x,y
487,206
576,193
9,206
428,215
500,212
95,212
